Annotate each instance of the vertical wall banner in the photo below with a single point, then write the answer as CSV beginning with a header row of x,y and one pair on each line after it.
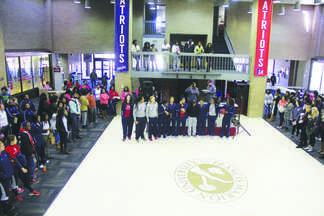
x,y
121,35
263,37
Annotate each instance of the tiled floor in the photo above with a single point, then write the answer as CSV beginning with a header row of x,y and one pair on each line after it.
x,y
59,170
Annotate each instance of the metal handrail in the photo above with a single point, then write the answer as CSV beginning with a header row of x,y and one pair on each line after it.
x,y
168,62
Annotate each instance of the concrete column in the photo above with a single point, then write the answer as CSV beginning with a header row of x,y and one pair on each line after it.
x,y
257,83
124,79
3,73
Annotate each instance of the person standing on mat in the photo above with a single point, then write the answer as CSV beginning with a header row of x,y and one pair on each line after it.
x,y
139,115
211,116
202,116
229,111
163,119
172,117
152,118
127,117
181,116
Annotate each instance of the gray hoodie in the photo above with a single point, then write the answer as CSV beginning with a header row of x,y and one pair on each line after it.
x,y
152,110
139,110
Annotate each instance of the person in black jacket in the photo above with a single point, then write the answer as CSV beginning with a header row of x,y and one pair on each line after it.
x,y
127,117
43,106
193,112
189,48
25,101
304,122
28,149
62,127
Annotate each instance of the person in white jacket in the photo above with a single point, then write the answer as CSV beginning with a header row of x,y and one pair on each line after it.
x,y
268,101
176,56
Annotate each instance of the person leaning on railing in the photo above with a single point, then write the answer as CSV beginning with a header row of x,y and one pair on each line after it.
x,y
176,57
136,48
199,49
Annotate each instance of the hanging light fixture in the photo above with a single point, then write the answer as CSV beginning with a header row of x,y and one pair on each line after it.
x,y
77,1
250,9
282,11
87,4
226,4
297,6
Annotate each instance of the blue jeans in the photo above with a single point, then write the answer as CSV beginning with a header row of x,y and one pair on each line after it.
x,y
172,127
163,127
127,123
75,125
201,126
182,121
211,125
153,123
140,128
30,167
226,124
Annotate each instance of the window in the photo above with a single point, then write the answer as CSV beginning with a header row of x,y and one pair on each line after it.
x,y
317,78
13,75
41,73
26,73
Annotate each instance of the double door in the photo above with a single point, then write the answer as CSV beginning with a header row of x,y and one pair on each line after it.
x,y
104,66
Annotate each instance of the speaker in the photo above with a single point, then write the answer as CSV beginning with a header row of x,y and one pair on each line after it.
x,y
147,87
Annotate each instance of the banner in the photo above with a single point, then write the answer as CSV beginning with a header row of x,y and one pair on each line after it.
x,y
121,35
263,37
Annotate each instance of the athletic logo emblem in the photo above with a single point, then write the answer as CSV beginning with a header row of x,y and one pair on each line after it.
x,y
210,180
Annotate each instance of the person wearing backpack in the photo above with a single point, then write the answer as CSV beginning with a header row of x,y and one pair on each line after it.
x,y
19,163
28,149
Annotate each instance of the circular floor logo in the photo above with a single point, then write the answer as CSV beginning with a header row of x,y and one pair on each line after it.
x,y
210,180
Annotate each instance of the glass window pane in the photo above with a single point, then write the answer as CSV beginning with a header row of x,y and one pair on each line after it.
x,y
99,74
45,69
316,77
26,73
37,71
13,74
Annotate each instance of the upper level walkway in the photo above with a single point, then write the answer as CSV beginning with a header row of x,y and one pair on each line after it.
x,y
190,66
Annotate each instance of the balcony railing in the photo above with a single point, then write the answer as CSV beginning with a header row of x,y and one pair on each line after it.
x,y
162,64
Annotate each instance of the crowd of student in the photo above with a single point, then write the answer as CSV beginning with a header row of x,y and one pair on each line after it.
x,y
26,131
170,118
304,114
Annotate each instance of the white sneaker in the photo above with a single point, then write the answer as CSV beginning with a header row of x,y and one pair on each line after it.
x,y
47,162
279,127
310,149
41,166
306,148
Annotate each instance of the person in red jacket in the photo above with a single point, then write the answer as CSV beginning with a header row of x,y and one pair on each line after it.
x,y
17,162
114,98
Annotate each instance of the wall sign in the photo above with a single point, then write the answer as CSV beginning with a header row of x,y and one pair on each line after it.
x,y
121,35
263,37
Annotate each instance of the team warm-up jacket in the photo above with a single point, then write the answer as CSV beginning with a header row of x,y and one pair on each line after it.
x,y
178,109
162,114
203,110
6,169
172,110
123,109
27,143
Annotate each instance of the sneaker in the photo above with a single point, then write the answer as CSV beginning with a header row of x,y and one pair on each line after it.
x,y
137,140
151,139
124,139
306,148
20,190
279,127
156,138
129,138
41,166
310,149
47,162
35,181
34,193
18,198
